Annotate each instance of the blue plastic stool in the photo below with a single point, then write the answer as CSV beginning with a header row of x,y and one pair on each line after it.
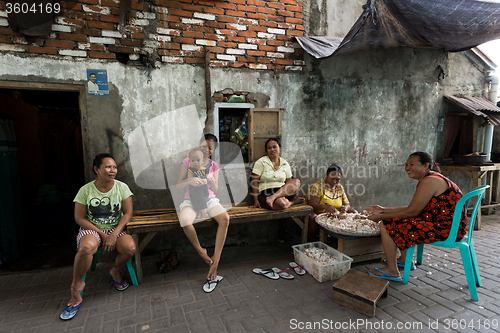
x,y
131,270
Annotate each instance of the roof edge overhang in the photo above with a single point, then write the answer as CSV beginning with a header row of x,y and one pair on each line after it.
x,y
480,59
478,106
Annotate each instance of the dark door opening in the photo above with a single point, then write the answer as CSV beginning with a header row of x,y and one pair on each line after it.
x,y
49,154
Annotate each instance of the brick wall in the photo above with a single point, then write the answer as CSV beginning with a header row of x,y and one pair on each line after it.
x,y
238,33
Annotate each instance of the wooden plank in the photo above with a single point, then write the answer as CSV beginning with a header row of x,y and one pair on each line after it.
x,y
368,256
359,291
494,196
209,123
139,223
478,168
363,245
146,240
474,134
487,194
304,225
358,248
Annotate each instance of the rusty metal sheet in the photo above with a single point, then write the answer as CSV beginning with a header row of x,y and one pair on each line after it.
x,y
478,106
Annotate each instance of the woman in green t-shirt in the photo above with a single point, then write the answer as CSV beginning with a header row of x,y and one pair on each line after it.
x,y
103,208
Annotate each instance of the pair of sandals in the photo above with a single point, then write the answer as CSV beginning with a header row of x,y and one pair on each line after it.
x,y
386,276
275,273
70,312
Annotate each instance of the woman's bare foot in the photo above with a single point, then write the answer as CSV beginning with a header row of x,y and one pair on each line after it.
x,y
298,200
203,254
212,272
392,273
270,200
115,274
76,290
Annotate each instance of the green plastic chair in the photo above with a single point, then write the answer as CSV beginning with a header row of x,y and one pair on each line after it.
x,y
131,270
465,245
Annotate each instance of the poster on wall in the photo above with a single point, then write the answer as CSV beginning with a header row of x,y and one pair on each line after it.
x,y
97,82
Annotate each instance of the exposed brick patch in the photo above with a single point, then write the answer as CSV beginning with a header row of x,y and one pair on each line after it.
x,y
204,29
102,55
236,39
100,25
183,13
110,3
227,19
84,16
192,34
42,50
256,16
183,40
267,48
108,18
135,43
93,47
256,53
255,34
121,49
60,44
212,10
247,33
74,37
195,61
135,35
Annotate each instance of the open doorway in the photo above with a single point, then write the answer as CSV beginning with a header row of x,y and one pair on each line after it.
x,y
48,151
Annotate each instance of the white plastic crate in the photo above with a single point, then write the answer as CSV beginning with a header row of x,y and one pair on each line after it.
x,y
322,273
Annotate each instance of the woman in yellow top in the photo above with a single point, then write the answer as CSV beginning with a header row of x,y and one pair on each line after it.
x,y
327,196
272,183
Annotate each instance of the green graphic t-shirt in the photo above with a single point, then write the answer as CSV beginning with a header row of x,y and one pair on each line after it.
x,y
104,210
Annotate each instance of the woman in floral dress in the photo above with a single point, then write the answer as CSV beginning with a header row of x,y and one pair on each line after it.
x,y
427,219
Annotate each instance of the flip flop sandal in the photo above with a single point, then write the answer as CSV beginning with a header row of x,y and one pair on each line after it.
x,y
285,273
297,268
119,285
402,265
267,273
69,313
211,284
385,276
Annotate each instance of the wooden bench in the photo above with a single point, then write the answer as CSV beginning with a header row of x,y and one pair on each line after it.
x,y
152,221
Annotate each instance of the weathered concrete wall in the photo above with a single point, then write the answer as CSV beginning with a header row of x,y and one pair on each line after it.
x,y
366,111
332,18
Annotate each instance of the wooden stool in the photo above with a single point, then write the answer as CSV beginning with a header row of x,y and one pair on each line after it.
x,y
359,291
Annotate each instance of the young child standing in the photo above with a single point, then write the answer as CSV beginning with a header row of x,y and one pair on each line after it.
x,y
198,194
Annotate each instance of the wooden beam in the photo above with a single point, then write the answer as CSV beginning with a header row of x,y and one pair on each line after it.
x,y
209,122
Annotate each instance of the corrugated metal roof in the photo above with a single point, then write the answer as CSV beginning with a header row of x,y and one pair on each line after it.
x,y
478,106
